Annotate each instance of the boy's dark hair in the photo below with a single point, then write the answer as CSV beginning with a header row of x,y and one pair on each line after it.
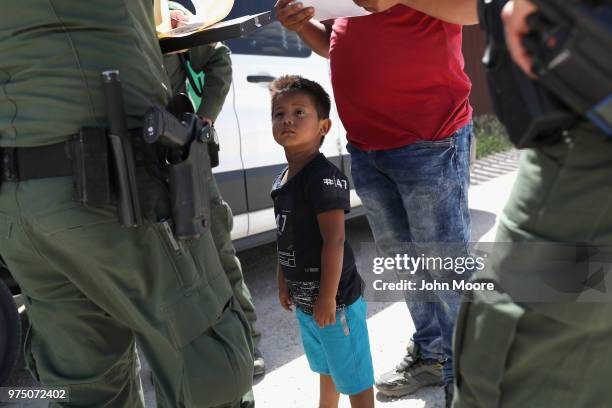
x,y
294,83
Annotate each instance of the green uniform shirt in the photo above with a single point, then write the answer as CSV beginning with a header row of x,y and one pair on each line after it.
x,y
53,53
216,64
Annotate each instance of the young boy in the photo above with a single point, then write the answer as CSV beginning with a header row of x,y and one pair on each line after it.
x,y
316,267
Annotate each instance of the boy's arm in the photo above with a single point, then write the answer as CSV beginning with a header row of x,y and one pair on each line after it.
x,y
295,18
216,64
283,292
331,226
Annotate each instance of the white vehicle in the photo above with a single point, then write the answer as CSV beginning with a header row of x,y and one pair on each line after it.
x,y
249,157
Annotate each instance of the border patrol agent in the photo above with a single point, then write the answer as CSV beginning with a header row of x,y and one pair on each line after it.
x,y
542,354
92,287
214,60
512,354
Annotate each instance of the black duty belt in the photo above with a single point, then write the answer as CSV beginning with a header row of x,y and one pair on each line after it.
x,y
27,163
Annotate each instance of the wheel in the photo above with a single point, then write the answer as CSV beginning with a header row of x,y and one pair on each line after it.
x,y
10,333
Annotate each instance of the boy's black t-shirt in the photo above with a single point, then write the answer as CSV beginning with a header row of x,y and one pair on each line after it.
x,y
317,188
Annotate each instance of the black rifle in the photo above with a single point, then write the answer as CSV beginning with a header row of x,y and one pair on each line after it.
x,y
571,42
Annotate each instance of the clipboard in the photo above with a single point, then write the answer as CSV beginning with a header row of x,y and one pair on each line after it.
x,y
224,30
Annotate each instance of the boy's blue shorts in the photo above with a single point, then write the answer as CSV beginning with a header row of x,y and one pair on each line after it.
x,y
341,350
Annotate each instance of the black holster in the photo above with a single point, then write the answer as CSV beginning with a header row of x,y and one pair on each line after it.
x,y
189,194
185,141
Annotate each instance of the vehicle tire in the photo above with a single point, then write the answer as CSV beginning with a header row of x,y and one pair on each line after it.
x,y
10,333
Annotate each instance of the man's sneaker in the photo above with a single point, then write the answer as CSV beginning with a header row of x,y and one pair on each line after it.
x,y
410,375
259,365
449,393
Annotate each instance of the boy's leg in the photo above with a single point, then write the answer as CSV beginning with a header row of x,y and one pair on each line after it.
x,y
328,396
346,348
317,359
340,353
365,399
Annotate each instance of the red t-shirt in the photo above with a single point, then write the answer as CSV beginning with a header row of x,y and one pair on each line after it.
x,y
398,77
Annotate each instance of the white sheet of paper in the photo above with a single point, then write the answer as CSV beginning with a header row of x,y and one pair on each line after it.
x,y
208,13
328,9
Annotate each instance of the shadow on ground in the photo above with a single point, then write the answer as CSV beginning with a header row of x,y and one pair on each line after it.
x,y
482,222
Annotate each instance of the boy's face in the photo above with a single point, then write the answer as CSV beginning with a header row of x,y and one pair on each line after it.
x,y
295,122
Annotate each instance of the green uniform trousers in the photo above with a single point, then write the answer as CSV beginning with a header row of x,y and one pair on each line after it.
x,y
221,225
512,354
94,288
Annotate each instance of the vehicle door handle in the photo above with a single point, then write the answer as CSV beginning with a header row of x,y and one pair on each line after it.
x,y
257,79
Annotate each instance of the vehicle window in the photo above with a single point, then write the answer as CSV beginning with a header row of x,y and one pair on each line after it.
x,y
274,39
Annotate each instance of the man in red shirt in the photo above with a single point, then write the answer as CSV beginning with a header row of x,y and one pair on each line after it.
x,y
402,96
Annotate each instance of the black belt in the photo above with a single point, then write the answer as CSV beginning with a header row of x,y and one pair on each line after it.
x,y
27,163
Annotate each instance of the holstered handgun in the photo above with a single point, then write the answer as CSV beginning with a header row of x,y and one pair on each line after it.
x,y
188,164
189,192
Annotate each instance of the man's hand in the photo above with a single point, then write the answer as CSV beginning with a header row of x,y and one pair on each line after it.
x,y
514,16
206,120
324,311
178,18
284,297
292,15
374,6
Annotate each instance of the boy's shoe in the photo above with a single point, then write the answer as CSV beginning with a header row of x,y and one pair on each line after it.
x,y
449,393
410,375
259,365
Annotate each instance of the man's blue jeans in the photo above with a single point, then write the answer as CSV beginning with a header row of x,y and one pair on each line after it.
x,y
418,193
